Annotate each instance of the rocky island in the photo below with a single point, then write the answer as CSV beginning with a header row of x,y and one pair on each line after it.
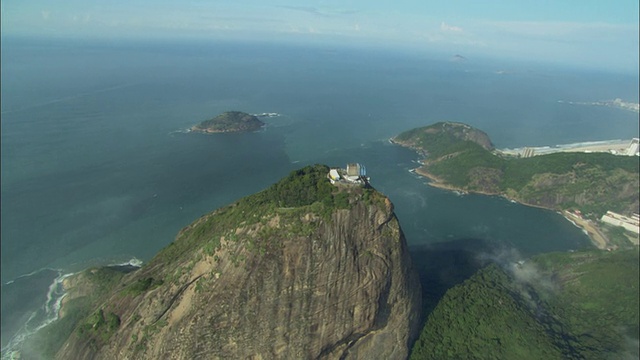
x,y
460,157
230,121
301,270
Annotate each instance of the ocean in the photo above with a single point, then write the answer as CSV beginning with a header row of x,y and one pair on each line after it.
x,y
97,168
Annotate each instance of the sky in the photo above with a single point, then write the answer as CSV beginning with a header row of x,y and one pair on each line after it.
x,y
587,33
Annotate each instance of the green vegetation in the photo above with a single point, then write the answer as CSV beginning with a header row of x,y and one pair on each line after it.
x,y
593,183
556,306
302,192
230,121
618,236
99,281
98,326
445,138
141,286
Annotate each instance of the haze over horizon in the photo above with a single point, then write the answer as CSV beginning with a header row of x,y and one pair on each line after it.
x,y
584,34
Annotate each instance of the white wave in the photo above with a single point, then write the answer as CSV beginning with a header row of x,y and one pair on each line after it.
x,y
55,294
135,262
31,274
49,312
578,226
181,131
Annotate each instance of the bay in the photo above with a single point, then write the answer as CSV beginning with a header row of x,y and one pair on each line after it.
x,y
96,168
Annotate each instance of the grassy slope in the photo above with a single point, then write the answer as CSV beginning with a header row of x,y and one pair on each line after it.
x,y
591,182
573,305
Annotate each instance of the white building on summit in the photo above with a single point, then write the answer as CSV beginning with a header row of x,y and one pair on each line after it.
x,y
354,174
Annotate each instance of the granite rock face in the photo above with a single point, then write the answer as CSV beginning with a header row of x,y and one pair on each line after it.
x,y
335,286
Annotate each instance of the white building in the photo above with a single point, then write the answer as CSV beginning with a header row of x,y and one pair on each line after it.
x,y
334,175
629,223
354,174
634,147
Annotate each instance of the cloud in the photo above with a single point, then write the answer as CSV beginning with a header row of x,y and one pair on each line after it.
x,y
450,28
45,14
527,279
569,31
523,272
306,9
447,34
321,12
589,45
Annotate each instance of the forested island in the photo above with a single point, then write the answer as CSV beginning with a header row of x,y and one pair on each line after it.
x,y
230,121
460,157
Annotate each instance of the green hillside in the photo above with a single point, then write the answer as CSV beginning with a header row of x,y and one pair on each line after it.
x,y
581,305
593,183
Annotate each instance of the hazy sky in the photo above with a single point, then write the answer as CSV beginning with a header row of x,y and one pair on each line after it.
x,y
594,33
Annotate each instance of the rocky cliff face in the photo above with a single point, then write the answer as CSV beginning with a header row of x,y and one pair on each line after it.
x,y
298,283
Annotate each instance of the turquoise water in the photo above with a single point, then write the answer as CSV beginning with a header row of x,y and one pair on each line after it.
x,y
96,170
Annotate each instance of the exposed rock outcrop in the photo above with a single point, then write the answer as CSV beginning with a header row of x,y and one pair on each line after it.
x,y
306,282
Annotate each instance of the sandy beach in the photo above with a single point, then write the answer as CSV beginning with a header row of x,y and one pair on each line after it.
x,y
596,236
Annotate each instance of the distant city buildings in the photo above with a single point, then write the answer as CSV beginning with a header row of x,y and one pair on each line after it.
x,y
616,103
619,103
615,147
528,152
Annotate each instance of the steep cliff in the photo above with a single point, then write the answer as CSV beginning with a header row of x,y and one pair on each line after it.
x,y
324,274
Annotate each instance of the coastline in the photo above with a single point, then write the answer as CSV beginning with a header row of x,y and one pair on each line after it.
x,y
75,285
598,239
196,129
592,230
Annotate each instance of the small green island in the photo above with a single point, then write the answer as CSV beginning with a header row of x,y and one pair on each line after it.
x,y
585,187
230,121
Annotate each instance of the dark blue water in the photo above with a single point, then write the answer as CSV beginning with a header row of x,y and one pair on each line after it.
x,y
96,171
